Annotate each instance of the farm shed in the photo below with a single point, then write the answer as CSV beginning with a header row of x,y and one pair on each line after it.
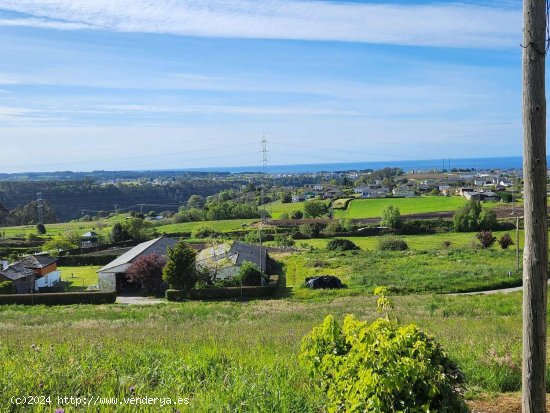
x,y
22,278
116,270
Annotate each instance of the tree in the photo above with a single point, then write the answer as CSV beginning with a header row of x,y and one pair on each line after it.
x,y
118,234
180,271
147,271
391,217
138,229
196,201
286,198
487,219
65,241
41,229
472,217
315,209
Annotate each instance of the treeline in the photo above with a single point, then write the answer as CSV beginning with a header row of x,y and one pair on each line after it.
x,y
71,199
106,175
27,214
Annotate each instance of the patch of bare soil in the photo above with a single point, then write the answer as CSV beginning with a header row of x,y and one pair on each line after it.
x,y
500,403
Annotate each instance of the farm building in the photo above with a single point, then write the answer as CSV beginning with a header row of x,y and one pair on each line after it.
x,y
22,278
112,276
226,260
89,240
32,273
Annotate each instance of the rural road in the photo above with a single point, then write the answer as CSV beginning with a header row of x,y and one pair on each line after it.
x,y
488,292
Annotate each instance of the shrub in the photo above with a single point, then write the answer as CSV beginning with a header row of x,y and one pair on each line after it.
x,y
312,230
334,227
282,240
83,260
446,244
147,271
220,293
40,229
341,245
296,214
505,241
284,216
32,237
392,244
6,287
180,269
249,274
203,232
66,241
381,367
60,298
391,217
486,239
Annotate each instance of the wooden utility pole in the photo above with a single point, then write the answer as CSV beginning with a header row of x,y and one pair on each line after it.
x,y
535,255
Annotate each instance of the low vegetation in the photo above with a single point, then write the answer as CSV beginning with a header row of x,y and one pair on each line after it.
x,y
250,349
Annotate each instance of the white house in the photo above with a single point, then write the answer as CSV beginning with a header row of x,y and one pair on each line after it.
x,y
38,271
372,191
403,191
107,275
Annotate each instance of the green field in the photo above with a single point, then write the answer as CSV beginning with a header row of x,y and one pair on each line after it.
x,y
443,271
79,278
219,226
372,208
277,208
227,356
419,242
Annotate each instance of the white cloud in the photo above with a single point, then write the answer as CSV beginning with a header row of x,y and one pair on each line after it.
x,y
455,25
224,109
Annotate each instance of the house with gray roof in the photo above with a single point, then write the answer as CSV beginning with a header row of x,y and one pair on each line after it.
x,y
22,278
227,259
31,273
108,275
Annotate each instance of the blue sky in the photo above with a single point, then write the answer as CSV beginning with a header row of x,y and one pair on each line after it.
x,y
139,84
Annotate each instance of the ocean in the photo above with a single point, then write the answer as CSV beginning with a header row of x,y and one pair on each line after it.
x,y
508,162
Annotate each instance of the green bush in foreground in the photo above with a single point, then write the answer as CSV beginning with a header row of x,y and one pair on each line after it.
x,y
381,367
341,245
392,244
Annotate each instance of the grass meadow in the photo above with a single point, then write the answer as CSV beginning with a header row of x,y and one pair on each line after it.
x,y
228,356
372,208
79,278
218,226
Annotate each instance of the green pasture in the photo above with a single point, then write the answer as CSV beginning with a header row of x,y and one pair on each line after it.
x,y
277,208
79,278
420,242
219,226
372,208
442,271
229,356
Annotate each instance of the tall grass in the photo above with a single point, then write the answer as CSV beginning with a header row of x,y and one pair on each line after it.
x,y
228,356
